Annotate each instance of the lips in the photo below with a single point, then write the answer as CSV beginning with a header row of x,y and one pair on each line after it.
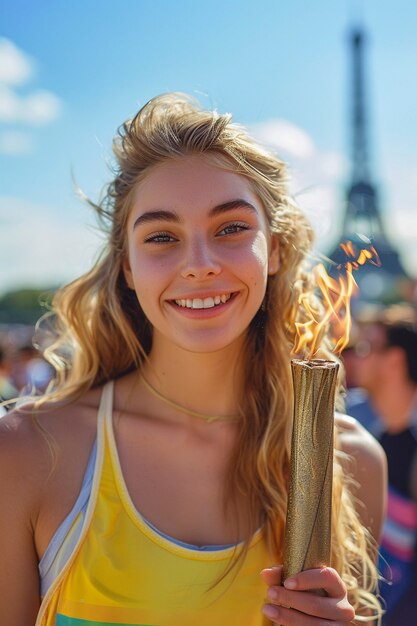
x,y
203,303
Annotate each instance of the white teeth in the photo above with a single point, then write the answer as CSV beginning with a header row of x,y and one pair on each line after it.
x,y
207,303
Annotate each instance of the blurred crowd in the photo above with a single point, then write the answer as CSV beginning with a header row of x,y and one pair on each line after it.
x,y
23,371
381,380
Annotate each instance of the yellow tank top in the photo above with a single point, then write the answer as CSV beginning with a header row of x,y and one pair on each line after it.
x,y
122,572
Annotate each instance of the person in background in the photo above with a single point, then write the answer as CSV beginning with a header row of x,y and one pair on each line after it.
x,y
7,389
357,400
30,372
149,485
386,369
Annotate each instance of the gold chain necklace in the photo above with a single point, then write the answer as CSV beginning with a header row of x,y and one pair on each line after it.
x,y
179,407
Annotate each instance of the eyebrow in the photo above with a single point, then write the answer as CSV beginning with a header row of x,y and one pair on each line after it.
x,y
161,215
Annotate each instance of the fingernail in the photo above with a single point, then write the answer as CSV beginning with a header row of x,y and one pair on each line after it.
x,y
271,611
290,583
273,568
272,593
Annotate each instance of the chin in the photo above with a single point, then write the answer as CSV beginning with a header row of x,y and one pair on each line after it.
x,y
210,345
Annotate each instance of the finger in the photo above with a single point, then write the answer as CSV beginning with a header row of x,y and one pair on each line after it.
x,y
290,617
324,578
272,575
312,604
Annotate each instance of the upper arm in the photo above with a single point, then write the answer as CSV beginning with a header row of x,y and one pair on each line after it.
x,y
19,579
366,463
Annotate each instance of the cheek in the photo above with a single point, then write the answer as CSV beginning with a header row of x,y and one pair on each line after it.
x,y
148,269
366,370
145,276
259,252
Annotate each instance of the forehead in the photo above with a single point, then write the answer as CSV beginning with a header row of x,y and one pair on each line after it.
x,y
191,181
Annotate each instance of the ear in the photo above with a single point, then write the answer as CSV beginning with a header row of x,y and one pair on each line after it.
x,y
273,257
127,272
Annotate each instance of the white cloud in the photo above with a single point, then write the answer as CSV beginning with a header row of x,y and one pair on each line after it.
x,y
42,246
8,104
319,180
333,164
38,106
318,183
284,136
41,107
316,175
14,142
321,204
16,67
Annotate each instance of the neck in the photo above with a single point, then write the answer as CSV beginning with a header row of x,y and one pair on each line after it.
x,y
394,404
207,383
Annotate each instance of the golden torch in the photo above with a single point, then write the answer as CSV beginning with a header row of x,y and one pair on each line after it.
x,y
307,530
307,541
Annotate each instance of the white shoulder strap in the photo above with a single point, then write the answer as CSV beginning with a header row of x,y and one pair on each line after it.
x,y
105,408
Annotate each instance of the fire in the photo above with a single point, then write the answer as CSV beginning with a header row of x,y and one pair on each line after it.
x,y
365,255
336,295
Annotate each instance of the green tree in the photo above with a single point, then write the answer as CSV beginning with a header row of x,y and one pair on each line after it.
x,y
24,306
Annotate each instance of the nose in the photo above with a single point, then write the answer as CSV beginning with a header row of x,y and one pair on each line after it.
x,y
199,261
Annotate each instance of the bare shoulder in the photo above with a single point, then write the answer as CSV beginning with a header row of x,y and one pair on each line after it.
x,y
20,444
364,460
27,432
357,442
36,442
18,488
42,452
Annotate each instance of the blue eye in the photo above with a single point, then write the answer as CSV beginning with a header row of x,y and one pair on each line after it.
x,y
160,238
234,228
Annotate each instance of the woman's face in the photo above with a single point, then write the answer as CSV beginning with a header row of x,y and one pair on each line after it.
x,y
199,253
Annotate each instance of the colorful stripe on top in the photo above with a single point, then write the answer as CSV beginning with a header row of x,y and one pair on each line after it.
x,y
399,541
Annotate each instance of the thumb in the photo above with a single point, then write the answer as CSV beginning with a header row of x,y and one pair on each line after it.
x,y
272,575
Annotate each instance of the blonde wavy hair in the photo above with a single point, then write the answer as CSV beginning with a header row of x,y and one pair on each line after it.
x,y
102,331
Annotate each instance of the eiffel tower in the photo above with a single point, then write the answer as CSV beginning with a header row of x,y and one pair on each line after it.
x,y
362,215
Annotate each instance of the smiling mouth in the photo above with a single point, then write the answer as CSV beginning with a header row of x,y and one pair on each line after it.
x,y
203,303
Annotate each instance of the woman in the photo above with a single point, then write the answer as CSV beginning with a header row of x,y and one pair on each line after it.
x,y
149,486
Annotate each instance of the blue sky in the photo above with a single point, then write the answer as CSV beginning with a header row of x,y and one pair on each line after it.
x,y
72,72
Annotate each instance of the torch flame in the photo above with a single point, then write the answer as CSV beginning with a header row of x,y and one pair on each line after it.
x,y
365,255
335,295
